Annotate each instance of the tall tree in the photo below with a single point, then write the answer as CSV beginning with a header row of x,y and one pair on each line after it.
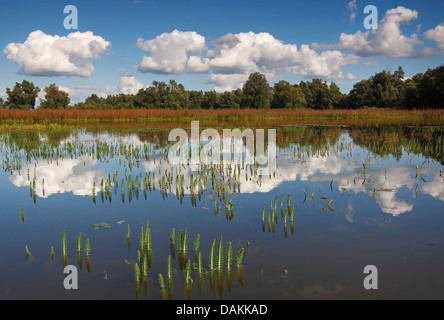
x,y
386,90
55,98
317,94
211,100
399,74
147,98
229,100
22,96
431,88
195,98
360,96
287,96
257,93
336,96
175,96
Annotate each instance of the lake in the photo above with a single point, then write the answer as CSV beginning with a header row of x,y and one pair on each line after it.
x,y
341,198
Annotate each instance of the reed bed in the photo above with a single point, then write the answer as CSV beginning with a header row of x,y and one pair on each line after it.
x,y
220,116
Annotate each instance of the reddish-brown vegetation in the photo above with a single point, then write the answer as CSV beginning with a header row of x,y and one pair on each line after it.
x,y
238,117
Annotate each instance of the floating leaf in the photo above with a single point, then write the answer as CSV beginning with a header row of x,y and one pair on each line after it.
x,y
101,225
329,204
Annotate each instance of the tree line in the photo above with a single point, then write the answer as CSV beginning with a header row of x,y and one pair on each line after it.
x,y
382,90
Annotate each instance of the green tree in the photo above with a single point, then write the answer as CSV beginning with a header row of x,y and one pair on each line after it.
x,y
336,96
256,92
399,74
22,96
120,101
94,100
175,96
360,96
161,91
410,96
431,88
55,98
287,96
383,90
147,98
229,100
196,99
211,100
317,94
386,90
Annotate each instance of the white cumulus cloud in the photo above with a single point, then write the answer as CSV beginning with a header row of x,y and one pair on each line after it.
x,y
47,55
437,35
244,53
129,84
227,82
388,40
170,51
233,57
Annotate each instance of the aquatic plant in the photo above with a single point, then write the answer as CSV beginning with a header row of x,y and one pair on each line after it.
x,y
239,257
79,242
229,255
188,272
161,282
148,239
329,203
145,266
196,243
101,225
169,269
172,236
220,259
211,262
199,263
87,247
137,275
64,246
184,243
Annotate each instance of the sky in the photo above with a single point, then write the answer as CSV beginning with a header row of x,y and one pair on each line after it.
x,y
122,46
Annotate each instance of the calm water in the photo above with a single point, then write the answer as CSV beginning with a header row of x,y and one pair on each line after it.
x,y
358,196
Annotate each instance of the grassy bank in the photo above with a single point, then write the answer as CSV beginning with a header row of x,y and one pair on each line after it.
x,y
238,117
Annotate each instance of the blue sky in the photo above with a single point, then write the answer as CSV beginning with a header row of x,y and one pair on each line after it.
x,y
122,46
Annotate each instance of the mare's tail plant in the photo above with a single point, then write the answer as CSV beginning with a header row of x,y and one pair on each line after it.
x,y
220,258
79,242
64,248
87,247
197,243
229,255
212,254
239,258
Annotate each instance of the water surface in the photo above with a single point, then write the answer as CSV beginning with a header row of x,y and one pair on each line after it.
x,y
358,196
